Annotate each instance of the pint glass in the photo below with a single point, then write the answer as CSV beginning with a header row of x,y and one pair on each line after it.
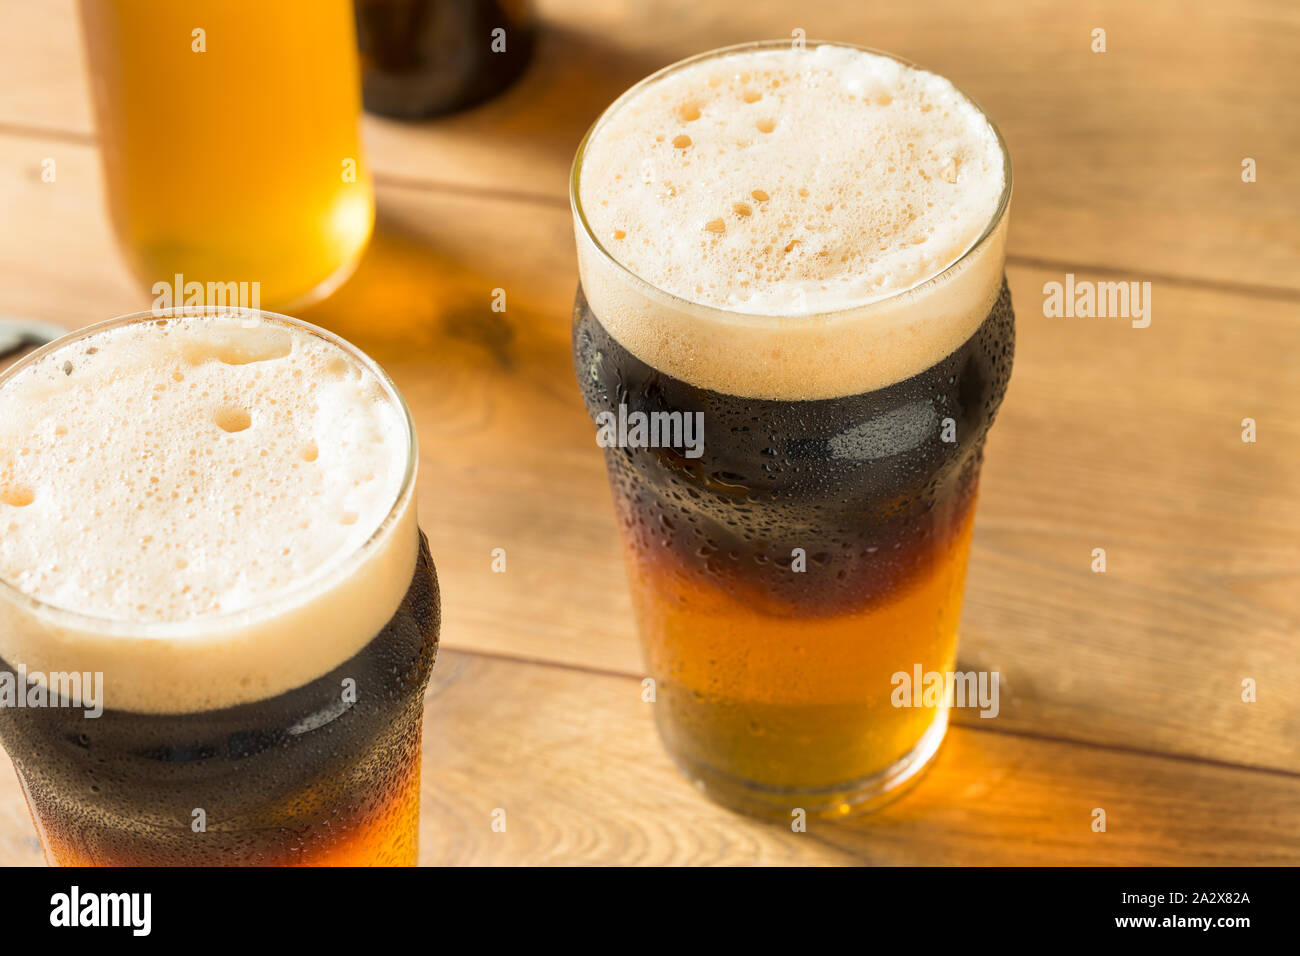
x,y
230,142
217,613
801,250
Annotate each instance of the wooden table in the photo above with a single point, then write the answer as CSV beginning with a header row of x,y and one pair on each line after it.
x,y
1121,690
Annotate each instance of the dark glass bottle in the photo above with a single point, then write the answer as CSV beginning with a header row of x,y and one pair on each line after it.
x,y
420,58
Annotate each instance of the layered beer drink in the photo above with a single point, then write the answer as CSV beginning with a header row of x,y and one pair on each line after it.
x,y
217,613
801,248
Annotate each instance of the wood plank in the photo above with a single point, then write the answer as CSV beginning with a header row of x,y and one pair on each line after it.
x,y
573,760
575,763
1111,437
1128,159
43,68
61,265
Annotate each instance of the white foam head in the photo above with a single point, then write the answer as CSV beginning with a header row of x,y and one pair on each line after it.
x,y
730,194
208,509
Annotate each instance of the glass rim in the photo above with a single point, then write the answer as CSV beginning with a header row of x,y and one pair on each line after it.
x,y
280,601
728,315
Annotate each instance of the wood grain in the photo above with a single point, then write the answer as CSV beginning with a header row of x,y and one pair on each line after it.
x,y
1127,159
592,785
572,759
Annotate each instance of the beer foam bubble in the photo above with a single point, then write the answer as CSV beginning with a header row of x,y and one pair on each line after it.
x,y
783,183
185,473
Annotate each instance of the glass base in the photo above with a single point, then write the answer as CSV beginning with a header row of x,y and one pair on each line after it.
x,y
327,286
830,802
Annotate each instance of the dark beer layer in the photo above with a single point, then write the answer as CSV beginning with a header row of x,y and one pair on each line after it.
x,y
866,486
280,781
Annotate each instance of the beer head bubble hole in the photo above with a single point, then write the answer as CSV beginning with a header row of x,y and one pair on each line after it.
x,y
764,185
206,508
